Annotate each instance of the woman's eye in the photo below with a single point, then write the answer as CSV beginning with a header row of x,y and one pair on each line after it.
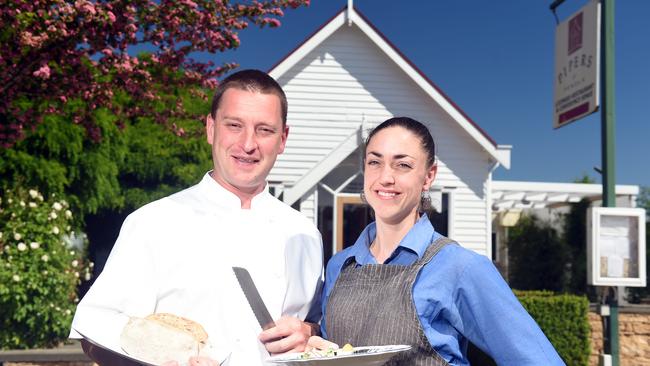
x,y
404,165
373,162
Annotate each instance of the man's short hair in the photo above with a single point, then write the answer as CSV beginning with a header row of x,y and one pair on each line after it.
x,y
253,81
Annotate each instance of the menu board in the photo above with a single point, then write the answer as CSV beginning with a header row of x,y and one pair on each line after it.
x,y
616,246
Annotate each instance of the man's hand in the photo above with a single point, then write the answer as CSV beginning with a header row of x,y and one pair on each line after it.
x,y
289,335
316,342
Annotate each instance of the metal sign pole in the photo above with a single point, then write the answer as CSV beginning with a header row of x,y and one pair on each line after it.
x,y
608,121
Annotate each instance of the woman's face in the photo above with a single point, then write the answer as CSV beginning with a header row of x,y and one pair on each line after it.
x,y
395,174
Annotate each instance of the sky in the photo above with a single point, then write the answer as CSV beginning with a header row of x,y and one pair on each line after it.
x,y
495,60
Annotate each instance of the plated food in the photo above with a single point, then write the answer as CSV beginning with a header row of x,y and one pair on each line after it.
x,y
352,356
163,337
330,352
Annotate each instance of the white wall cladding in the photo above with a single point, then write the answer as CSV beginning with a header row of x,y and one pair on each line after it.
x,y
346,81
308,205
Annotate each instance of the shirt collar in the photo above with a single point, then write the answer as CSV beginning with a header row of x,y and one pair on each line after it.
x,y
417,240
217,194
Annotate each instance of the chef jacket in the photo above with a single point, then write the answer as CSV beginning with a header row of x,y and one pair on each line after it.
x,y
175,255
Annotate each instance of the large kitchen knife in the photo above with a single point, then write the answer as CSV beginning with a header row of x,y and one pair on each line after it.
x,y
253,297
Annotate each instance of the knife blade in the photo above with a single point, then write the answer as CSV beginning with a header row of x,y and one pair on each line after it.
x,y
253,297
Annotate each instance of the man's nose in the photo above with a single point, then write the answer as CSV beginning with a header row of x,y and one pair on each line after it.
x,y
249,141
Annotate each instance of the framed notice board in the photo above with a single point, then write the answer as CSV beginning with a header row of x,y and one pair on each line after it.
x,y
616,247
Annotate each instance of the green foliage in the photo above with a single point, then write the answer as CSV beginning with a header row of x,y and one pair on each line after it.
x,y
537,256
123,171
564,320
59,159
41,263
575,236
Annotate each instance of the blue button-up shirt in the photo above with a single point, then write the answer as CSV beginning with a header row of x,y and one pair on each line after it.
x,y
459,296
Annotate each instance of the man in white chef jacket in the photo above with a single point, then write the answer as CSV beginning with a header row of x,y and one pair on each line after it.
x,y
175,255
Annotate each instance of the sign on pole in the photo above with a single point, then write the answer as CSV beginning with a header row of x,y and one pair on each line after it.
x,y
577,66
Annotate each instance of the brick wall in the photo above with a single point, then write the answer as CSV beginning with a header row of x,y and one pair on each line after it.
x,y
633,337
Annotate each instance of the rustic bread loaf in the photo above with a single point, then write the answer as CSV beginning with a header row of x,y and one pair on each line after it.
x,y
159,338
180,323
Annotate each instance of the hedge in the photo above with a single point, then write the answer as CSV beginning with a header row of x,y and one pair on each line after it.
x,y
564,320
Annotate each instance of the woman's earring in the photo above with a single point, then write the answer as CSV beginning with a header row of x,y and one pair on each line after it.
x,y
425,201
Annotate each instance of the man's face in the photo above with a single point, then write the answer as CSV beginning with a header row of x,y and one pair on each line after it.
x,y
246,137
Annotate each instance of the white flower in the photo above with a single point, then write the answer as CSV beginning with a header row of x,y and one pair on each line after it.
x,y
68,312
72,252
17,236
0,234
45,257
45,273
91,264
22,203
51,305
57,206
16,278
10,200
40,197
87,276
68,214
33,193
22,246
55,230
76,274
32,204
53,215
34,245
75,263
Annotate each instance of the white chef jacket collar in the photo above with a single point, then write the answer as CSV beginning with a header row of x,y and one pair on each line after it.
x,y
219,195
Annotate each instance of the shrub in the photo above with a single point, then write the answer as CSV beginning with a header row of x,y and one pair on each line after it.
x,y
41,264
564,320
538,258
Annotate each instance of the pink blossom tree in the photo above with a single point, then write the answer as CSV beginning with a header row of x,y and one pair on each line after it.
x,y
55,54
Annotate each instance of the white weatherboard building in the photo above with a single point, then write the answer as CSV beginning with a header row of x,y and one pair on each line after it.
x,y
345,79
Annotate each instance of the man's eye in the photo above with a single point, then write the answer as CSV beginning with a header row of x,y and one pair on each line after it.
x,y
266,130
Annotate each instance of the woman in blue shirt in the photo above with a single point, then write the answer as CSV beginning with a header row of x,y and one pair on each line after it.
x,y
403,283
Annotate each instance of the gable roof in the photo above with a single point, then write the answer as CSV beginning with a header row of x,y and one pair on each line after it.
x,y
500,153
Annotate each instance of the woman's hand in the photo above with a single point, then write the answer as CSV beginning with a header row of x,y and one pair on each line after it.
x,y
316,342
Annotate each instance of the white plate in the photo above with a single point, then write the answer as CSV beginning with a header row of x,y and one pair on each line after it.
x,y
362,356
220,356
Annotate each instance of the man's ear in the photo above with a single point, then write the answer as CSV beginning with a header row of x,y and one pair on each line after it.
x,y
283,142
209,128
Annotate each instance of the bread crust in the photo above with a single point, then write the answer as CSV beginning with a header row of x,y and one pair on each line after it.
x,y
180,323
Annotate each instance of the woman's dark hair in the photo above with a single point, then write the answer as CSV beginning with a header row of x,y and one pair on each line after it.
x,y
415,127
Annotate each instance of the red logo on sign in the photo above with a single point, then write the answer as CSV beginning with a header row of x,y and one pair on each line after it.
x,y
575,33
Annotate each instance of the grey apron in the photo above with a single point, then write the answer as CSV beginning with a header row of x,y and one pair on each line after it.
x,y
372,305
